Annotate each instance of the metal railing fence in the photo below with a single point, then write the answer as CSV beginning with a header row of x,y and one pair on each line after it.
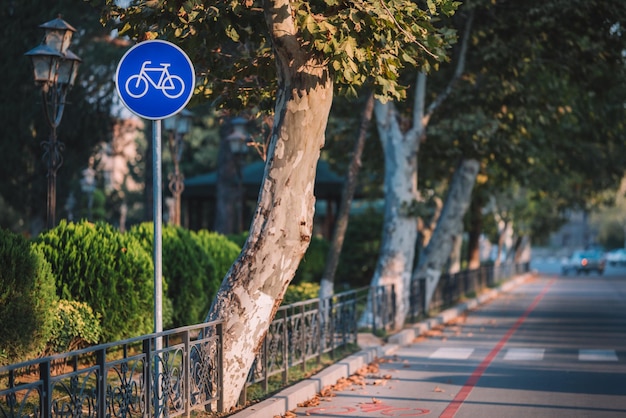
x,y
168,373
174,372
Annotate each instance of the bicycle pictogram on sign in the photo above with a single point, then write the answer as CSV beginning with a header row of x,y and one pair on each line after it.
x,y
170,85
155,79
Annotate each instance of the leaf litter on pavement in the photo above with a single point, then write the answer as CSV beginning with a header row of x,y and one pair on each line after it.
x,y
366,375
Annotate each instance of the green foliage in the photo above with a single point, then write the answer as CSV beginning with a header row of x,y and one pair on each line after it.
x,y
299,292
221,250
361,42
193,264
360,249
27,299
239,239
75,326
108,270
311,268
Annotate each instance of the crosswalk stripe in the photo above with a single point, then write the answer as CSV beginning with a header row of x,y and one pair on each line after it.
x,y
452,353
597,355
523,354
517,354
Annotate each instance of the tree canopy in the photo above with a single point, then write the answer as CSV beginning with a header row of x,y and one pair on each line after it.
x,y
228,41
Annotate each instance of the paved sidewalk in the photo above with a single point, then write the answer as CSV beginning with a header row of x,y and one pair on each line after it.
x,y
383,394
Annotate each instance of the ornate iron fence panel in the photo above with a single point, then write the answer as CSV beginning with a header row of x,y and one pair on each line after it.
x,y
129,378
126,386
134,378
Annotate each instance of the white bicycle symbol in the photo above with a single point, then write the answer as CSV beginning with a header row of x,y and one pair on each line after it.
x,y
172,86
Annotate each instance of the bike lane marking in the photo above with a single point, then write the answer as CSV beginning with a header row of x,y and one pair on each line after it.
x,y
465,391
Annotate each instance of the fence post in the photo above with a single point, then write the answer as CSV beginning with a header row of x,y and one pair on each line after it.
x,y
219,328
101,388
321,324
303,336
355,319
331,323
422,296
394,307
46,395
285,349
147,375
187,372
374,293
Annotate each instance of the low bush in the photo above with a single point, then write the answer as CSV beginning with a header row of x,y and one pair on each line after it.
x,y
222,250
313,263
27,299
301,292
194,264
109,271
75,326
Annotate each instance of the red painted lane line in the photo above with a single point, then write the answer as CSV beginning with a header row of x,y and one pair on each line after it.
x,y
460,397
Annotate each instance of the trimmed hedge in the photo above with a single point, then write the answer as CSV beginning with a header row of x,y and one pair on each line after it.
x,y
222,251
108,270
194,264
27,299
75,326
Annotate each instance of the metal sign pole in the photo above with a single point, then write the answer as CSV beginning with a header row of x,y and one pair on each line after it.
x,y
157,257
157,216
156,99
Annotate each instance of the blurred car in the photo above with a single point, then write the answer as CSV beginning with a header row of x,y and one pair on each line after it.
x,y
584,262
616,257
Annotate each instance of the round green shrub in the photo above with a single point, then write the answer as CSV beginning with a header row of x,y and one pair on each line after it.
x,y
221,249
108,270
189,270
301,292
75,326
312,265
27,299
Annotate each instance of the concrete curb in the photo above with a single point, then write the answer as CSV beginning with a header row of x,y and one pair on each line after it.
x,y
290,397
300,392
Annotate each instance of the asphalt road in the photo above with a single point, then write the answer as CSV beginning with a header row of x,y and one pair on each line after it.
x,y
552,347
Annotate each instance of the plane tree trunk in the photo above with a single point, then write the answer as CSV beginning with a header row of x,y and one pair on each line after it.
x,y
282,224
450,225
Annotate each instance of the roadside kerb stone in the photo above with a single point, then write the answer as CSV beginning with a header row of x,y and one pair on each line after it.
x,y
290,397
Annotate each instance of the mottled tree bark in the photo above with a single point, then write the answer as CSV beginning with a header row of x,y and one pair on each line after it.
x,y
450,225
400,225
282,224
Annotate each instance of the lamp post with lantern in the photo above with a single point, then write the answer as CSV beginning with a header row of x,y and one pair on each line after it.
x,y
177,127
55,69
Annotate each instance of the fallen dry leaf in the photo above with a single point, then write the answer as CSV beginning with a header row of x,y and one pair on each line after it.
x,y
314,401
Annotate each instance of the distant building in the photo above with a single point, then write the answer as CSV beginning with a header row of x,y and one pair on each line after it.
x,y
575,234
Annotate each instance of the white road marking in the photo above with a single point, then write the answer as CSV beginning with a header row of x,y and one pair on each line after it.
x,y
452,353
524,354
597,355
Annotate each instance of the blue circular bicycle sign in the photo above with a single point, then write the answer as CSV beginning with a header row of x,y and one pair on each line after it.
x,y
155,79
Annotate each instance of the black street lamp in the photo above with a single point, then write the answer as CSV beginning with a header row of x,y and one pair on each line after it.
x,y
55,68
177,127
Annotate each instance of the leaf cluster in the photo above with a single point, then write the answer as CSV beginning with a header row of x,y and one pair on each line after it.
x,y
193,265
230,45
108,270
27,298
